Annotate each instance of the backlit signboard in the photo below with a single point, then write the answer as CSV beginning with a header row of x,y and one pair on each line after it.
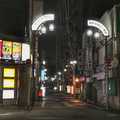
x,y
25,52
9,72
42,75
71,90
8,83
16,53
8,94
7,50
0,49
68,89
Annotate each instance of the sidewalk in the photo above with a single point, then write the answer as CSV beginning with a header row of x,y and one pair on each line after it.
x,y
93,104
10,109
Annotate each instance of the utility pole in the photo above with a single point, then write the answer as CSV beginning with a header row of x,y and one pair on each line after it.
x,y
106,73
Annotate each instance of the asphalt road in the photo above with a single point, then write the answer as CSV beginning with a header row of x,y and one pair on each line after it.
x,y
58,106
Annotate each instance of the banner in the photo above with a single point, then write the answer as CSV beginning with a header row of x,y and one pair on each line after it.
x,y
7,50
16,53
89,56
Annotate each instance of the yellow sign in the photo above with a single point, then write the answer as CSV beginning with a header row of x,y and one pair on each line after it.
x,y
7,50
16,54
8,83
9,72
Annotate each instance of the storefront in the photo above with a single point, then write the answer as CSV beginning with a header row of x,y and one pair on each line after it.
x,y
12,71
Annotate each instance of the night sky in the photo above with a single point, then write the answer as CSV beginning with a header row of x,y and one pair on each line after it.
x,y
47,42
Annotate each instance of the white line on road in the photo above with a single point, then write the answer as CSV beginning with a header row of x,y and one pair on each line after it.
x,y
46,118
43,103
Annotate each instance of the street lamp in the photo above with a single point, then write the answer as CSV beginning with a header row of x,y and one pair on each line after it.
x,y
105,33
73,62
44,62
59,73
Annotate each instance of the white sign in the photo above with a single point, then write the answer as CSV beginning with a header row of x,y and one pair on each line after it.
x,y
42,19
25,52
89,56
8,94
99,26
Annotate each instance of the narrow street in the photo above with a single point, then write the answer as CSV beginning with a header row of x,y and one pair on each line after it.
x,y
58,106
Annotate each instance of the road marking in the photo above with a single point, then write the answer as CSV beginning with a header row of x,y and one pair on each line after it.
x,y
43,103
47,118
67,104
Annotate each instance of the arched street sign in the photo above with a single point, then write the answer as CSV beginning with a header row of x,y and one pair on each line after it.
x,y
100,26
42,19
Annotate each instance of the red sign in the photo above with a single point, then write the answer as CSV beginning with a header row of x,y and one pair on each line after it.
x,y
108,61
28,61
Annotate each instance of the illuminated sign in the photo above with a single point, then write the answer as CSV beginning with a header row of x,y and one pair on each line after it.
x,y
25,52
42,19
7,50
71,90
8,94
42,75
0,49
8,83
8,72
98,25
16,53
68,89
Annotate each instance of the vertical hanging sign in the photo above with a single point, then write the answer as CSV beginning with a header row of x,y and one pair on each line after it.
x,y
83,57
89,56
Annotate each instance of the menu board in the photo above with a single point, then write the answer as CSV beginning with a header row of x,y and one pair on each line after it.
x,y
9,72
0,49
8,94
16,53
7,50
8,83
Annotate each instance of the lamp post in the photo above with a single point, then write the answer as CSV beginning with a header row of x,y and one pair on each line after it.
x,y
73,62
105,33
